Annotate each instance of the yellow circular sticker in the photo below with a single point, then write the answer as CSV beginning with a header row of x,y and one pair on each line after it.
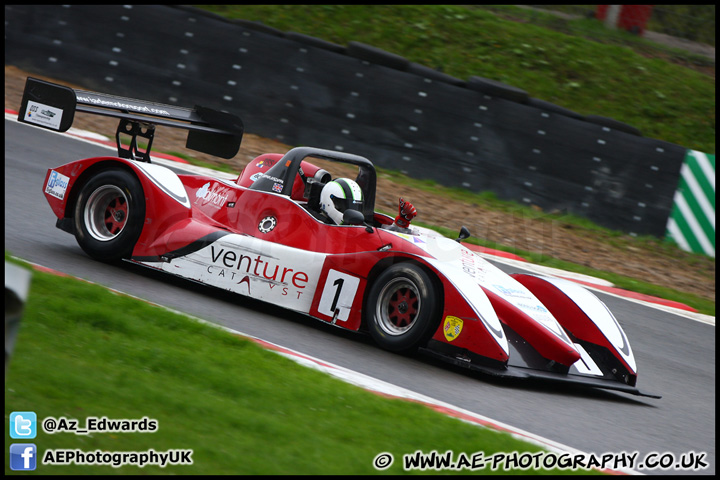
x,y
452,327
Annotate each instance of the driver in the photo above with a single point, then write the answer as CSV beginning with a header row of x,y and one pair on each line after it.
x,y
340,195
344,194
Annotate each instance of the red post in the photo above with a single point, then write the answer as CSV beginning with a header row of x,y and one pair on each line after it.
x,y
632,18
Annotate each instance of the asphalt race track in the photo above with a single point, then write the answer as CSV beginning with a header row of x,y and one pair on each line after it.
x,y
675,355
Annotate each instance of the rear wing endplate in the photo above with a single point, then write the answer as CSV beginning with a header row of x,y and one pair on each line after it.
x,y
52,106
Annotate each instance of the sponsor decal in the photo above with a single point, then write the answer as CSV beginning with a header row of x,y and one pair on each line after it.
x,y
511,292
266,162
532,308
246,281
231,265
248,265
270,177
215,195
267,224
467,260
410,238
43,115
452,327
473,266
124,105
57,185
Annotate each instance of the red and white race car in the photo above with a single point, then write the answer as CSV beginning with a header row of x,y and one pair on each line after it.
x,y
287,232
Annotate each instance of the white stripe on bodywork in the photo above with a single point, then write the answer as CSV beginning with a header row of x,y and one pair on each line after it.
x,y
166,180
586,365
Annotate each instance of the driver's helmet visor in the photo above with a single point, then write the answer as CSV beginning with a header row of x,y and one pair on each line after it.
x,y
342,204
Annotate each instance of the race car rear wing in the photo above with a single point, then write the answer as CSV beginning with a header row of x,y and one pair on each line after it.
x,y
52,106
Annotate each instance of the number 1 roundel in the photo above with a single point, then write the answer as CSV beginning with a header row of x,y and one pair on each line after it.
x,y
338,295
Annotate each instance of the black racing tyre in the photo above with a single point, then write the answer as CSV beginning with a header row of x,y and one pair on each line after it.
x,y
109,215
402,309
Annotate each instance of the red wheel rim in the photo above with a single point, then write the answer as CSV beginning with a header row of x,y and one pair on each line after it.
x,y
398,306
402,307
106,213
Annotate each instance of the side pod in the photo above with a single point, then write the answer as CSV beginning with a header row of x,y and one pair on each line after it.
x,y
587,319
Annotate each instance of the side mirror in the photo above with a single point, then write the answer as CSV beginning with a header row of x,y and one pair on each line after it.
x,y
355,217
464,233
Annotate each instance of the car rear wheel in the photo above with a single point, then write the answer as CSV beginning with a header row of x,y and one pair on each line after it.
x,y
109,215
402,309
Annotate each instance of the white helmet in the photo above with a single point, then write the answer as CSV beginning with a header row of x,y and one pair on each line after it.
x,y
340,195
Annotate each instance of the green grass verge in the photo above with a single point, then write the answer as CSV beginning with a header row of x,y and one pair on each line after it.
x,y
84,351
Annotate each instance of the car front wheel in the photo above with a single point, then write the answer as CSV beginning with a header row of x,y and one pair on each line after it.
x,y
402,308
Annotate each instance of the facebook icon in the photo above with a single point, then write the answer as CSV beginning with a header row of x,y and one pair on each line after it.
x,y
23,456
